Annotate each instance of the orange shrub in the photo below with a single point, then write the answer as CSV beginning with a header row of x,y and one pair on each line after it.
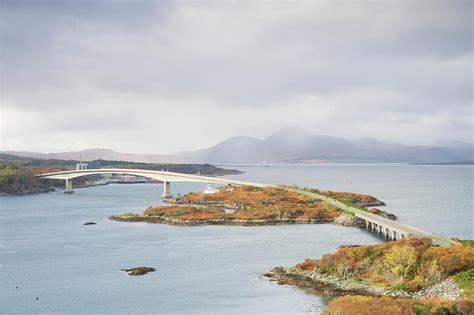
x,y
256,203
450,259
307,264
356,304
408,263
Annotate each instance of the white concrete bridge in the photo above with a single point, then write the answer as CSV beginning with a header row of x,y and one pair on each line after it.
x,y
165,177
385,227
389,228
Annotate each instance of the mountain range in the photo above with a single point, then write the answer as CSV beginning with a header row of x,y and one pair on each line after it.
x,y
290,145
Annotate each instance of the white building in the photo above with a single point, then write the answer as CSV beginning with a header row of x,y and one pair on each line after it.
x,y
81,166
210,190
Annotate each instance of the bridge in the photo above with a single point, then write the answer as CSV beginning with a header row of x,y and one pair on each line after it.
x,y
388,228
165,177
385,227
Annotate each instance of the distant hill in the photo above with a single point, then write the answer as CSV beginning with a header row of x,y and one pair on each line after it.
x,y
290,145
295,145
97,154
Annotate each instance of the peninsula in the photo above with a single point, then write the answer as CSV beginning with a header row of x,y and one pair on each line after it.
x,y
411,276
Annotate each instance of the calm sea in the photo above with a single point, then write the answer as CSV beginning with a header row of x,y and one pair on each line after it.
x,y
51,263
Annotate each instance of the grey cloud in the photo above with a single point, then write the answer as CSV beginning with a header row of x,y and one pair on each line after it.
x,y
409,60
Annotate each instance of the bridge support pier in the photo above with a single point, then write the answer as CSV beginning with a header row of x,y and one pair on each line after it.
x,y
68,189
167,190
394,235
387,233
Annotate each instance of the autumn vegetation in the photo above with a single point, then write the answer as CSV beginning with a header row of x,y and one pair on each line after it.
x,y
351,198
270,204
17,179
357,305
409,264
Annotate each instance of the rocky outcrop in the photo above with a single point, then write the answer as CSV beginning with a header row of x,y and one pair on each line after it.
x,y
447,290
335,286
138,271
382,213
373,203
328,284
345,219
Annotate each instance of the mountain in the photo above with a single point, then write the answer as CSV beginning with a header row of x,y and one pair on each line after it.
x,y
289,145
296,145
233,150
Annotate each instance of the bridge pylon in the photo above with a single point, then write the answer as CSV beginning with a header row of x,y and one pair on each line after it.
x,y
68,189
166,190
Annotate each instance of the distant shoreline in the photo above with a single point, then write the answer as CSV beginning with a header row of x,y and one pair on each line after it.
x,y
447,163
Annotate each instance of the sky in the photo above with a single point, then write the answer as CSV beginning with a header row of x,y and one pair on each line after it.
x,y
162,77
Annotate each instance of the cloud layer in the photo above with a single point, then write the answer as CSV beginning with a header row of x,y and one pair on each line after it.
x,y
158,77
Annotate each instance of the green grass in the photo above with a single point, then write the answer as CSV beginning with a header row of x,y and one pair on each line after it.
x,y
465,281
126,215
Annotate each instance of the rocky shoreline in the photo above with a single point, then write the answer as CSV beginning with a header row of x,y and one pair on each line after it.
x,y
229,222
29,192
334,286
48,189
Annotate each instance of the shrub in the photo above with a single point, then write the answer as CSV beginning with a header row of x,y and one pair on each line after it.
x,y
307,265
401,260
356,304
465,281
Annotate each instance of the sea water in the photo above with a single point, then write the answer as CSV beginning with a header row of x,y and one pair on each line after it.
x,y
51,263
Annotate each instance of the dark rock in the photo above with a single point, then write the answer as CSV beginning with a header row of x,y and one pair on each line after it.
x,y
138,271
382,213
89,223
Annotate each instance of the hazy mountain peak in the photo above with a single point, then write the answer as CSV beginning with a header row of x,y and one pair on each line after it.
x,y
288,132
239,139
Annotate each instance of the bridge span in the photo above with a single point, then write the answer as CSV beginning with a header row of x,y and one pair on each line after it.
x,y
387,228
390,229
165,177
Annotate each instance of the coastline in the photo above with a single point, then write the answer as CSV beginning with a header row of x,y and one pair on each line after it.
x,y
229,222
53,189
333,286
327,285
413,273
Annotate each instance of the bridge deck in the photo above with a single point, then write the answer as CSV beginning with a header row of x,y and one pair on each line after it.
x,y
379,220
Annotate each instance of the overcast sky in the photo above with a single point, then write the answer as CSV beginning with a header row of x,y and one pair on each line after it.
x,y
160,77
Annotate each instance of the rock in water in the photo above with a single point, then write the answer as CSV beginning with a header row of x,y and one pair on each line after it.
x,y
138,271
89,223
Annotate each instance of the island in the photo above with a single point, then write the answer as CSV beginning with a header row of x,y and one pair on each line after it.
x,y
139,271
250,205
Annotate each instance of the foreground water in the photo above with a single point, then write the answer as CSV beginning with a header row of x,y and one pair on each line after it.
x,y
73,269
